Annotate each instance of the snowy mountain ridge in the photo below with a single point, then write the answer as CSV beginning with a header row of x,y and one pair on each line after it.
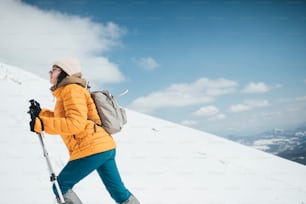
x,y
15,75
161,162
286,143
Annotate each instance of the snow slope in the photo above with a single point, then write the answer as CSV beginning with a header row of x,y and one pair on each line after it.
x,y
161,162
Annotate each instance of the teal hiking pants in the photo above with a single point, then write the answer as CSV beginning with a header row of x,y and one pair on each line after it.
x,y
106,167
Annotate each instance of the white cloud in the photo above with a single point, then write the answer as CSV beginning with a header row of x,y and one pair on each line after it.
x,y
209,87
248,105
168,98
147,63
207,111
239,108
259,87
33,39
219,117
301,98
257,103
201,91
189,122
292,100
270,115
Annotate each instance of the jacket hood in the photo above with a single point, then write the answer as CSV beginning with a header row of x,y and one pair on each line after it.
x,y
73,79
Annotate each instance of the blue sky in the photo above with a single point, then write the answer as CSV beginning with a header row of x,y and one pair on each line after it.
x,y
225,67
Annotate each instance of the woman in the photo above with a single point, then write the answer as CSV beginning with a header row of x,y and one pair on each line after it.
x,y
90,146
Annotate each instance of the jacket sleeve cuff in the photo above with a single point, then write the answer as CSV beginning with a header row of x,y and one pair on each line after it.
x,y
37,127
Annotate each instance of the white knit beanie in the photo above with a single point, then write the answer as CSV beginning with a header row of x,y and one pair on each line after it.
x,y
70,66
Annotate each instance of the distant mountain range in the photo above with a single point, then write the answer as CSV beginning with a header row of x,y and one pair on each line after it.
x,y
289,144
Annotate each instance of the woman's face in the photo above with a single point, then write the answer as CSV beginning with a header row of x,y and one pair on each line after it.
x,y
54,73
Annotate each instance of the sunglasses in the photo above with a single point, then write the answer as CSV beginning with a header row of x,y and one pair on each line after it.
x,y
54,69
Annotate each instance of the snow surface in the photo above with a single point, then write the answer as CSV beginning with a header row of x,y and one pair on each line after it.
x,y
160,162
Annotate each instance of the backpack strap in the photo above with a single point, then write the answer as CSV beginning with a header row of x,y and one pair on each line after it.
x,y
96,124
87,86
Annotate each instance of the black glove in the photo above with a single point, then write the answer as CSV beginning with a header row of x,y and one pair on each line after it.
x,y
34,111
32,124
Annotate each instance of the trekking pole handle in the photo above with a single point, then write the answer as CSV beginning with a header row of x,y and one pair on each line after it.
x,y
122,93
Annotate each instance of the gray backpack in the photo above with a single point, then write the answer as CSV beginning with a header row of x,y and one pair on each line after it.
x,y
112,116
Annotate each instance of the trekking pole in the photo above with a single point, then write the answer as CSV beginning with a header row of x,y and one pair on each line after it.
x,y
122,93
53,177
34,112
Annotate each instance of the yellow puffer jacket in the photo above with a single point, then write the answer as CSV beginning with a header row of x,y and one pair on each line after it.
x,y
70,120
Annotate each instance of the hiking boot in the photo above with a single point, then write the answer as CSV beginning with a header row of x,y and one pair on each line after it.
x,y
131,200
70,198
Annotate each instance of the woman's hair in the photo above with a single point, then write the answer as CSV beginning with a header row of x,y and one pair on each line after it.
x,y
61,76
